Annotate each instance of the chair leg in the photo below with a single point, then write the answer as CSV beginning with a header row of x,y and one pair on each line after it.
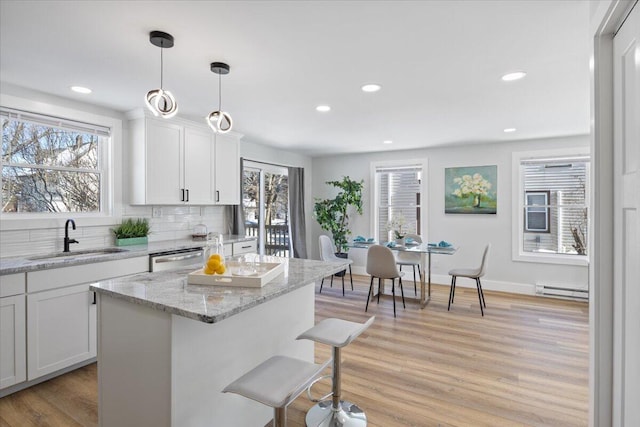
x,y
453,281
350,277
345,273
402,292
379,279
482,293
393,292
415,288
369,294
280,417
332,280
479,297
321,283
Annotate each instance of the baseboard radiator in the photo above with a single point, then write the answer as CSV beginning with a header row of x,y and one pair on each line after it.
x,y
559,291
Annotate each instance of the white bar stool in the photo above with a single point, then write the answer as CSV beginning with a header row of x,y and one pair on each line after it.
x,y
276,382
335,412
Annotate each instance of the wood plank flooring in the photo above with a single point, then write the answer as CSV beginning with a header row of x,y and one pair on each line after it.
x,y
525,363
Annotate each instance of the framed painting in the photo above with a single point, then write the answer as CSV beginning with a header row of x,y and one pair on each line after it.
x,y
471,190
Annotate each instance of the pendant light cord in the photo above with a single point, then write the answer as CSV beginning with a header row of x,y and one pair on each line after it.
x,y
161,64
219,92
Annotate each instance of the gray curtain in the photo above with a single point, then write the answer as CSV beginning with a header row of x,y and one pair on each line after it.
x,y
296,206
235,213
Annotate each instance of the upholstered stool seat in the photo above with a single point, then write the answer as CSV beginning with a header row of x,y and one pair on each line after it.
x,y
335,413
276,382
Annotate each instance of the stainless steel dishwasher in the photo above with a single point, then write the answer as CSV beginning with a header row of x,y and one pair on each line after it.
x,y
172,260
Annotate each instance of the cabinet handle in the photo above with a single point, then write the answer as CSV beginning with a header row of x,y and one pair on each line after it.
x,y
217,196
246,247
182,197
94,299
187,195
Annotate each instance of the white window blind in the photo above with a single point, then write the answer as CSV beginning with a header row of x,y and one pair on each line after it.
x,y
555,205
398,196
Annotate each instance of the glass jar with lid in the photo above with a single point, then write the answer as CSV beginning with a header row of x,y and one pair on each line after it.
x,y
213,256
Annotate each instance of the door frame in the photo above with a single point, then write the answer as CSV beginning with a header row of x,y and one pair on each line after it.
x,y
606,18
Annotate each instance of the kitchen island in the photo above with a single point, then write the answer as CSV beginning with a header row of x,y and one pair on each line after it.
x,y
166,349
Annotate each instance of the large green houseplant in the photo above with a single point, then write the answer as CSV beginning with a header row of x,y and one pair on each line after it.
x,y
132,232
333,214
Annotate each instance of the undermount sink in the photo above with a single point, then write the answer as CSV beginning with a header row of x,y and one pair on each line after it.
x,y
77,254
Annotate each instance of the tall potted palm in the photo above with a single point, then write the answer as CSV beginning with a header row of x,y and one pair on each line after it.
x,y
333,214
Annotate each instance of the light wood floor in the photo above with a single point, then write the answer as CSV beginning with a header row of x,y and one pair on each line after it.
x,y
524,363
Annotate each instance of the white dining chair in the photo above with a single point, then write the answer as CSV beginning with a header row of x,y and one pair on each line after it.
x,y
411,259
471,273
327,253
382,264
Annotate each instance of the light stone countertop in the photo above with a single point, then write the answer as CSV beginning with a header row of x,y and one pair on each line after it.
x,y
169,291
23,263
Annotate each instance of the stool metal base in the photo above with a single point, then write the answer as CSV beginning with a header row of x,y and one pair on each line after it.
x,y
323,415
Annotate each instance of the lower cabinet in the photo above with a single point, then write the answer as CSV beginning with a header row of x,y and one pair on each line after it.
x,y
62,329
13,339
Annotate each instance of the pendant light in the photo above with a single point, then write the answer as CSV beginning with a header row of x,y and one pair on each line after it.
x,y
220,121
161,102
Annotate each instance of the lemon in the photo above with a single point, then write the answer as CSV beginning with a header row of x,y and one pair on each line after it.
x,y
216,257
209,271
213,263
220,269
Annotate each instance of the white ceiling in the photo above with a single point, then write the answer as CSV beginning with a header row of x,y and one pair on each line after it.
x,y
439,63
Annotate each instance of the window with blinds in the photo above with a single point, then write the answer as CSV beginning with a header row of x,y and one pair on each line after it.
x,y
555,205
398,198
51,165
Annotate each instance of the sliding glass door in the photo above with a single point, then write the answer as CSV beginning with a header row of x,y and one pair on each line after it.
x,y
265,198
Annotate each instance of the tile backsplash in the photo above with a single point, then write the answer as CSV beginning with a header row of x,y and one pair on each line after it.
x,y
167,223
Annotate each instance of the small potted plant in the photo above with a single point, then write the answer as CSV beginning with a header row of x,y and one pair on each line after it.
x,y
396,225
132,232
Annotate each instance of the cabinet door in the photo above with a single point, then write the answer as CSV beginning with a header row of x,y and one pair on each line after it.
x,y
227,170
198,166
163,163
61,326
13,341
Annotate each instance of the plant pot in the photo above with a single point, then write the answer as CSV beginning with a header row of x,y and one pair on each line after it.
x,y
132,241
341,255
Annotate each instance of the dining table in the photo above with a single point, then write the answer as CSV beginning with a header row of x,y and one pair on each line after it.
x,y
425,250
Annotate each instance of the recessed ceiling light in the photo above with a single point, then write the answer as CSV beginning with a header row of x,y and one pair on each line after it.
x,y
371,87
509,130
517,75
81,89
387,142
323,108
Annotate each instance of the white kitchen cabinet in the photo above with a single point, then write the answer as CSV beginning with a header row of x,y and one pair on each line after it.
x,y
171,163
13,340
13,330
62,329
245,247
227,169
178,161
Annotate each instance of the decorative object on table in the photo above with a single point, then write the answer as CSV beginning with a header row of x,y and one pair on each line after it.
x,y
200,233
364,241
471,190
220,121
159,101
236,275
333,214
397,226
213,256
132,232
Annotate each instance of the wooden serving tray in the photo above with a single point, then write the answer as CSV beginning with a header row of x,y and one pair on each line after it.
x,y
265,272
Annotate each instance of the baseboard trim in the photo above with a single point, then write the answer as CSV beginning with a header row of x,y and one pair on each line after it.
x,y
487,284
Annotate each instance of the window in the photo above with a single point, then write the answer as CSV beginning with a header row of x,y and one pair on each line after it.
x,y
51,165
553,213
536,218
397,199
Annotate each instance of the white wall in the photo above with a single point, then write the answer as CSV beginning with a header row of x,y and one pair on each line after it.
x,y
470,232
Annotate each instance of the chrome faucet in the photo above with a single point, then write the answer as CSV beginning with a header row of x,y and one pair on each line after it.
x,y
67,240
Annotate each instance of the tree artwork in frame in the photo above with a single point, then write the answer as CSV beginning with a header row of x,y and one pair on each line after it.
x,y
471,190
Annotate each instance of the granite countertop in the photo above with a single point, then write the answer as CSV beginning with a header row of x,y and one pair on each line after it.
x,y
22,264
169,291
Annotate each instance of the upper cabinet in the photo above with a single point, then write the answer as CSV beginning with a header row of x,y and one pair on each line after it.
x,y
180,162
